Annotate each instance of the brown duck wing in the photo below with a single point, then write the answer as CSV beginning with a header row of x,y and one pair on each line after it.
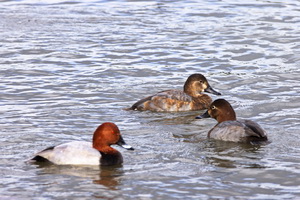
x,y
167,94
175,95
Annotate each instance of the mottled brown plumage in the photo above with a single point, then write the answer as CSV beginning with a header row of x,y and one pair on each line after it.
x,y
190,98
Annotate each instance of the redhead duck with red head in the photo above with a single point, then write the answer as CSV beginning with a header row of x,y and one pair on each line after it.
x,y
229,128
191,98
99,152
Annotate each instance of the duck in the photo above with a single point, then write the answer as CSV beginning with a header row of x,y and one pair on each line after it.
x,y
98,152
229,128
191,98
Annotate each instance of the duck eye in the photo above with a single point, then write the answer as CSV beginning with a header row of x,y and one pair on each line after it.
x,y
213,107
201,82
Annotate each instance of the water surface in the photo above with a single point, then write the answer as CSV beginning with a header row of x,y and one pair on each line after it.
x,y
68,66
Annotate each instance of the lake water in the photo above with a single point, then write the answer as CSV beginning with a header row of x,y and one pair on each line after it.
x,y
68,66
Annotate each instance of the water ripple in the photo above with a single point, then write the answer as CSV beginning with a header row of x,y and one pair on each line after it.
x,y
66,67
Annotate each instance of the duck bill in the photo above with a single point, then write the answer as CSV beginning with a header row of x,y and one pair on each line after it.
x,y
211,90
204,115
123,144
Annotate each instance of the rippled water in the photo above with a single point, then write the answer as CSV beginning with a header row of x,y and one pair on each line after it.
x,y
68,66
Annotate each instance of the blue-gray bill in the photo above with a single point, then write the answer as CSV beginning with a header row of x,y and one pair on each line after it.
x,y
212,91
204,115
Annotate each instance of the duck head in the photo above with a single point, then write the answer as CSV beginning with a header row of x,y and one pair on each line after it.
x,y
221,110
197,83
107,134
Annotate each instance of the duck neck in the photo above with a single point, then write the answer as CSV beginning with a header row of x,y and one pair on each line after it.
x,y
110,156
202,101
188,89
227,116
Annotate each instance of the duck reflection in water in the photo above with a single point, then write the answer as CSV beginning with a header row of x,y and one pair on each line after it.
x,y
233,155
108,176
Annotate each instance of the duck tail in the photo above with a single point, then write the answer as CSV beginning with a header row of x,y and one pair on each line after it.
x,y
259,140
130,108
138,104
